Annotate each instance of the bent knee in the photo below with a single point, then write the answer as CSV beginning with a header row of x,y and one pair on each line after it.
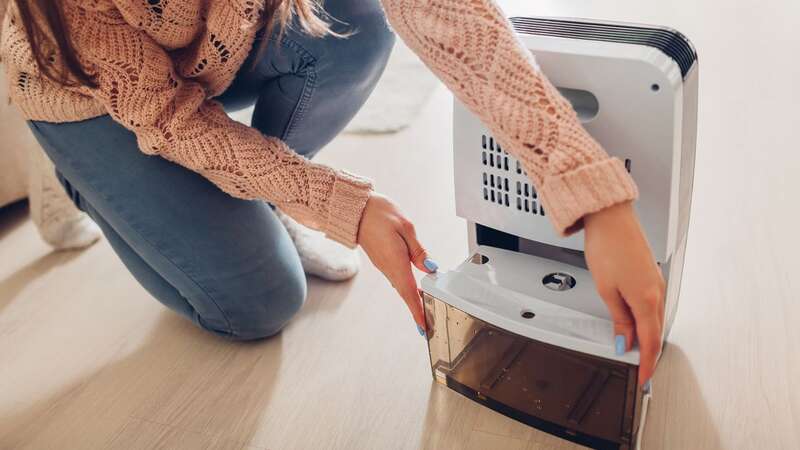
x,y
265,314
272,313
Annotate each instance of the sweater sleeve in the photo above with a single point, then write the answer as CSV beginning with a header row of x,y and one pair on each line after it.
x,y
471,46
172,118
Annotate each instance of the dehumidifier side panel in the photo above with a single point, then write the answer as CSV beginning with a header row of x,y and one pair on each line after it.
x,y
688,149
674,269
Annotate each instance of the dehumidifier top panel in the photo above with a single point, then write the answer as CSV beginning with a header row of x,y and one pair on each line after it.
x,y
671,42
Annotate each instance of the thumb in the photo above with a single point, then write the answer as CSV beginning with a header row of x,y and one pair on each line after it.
x,y
624,324
416,252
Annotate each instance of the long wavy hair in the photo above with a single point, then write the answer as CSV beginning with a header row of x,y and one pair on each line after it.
x,y
45,27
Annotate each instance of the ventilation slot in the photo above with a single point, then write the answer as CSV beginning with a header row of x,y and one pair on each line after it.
x,y
496,189
500,185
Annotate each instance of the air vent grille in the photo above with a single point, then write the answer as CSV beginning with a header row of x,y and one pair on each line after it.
x,y
505,182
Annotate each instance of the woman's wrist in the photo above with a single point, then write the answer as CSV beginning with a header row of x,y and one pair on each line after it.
x,y
346,206
610,215
361,221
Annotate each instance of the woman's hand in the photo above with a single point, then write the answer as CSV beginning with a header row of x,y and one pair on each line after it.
x,y
628,280
391,243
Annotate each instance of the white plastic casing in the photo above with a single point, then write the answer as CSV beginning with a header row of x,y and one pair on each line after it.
x,y
645,115
641,96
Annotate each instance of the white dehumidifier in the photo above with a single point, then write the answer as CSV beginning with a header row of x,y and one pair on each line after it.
x,y
519,327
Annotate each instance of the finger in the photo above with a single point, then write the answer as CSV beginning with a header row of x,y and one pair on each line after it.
x,y
647,313
416,252
649,335
624,324
397,269
429,319
406,286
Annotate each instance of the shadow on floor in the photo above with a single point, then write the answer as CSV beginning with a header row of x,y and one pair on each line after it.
x,y
679,416
180,387
12,217
212,391
12,285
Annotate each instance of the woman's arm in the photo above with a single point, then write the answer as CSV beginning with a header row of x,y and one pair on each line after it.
x,y
171,117
471,46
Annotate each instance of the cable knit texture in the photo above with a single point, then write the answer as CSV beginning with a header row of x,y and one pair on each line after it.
x,y
159,63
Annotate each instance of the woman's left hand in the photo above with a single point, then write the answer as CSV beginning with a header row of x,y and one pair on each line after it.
x,y
629,281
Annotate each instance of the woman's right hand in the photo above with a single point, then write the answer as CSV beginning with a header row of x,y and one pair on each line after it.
x,y
390,241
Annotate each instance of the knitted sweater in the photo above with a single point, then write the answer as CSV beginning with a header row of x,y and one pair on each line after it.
x,y
159,64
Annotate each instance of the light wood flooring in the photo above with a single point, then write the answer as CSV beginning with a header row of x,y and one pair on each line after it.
x,y
89,360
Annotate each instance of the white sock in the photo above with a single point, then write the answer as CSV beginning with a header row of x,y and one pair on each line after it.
x,y
319,255
60,223
77,232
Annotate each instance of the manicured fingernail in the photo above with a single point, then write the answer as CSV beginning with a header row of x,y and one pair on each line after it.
x,y
646,387
430,265
619,344
421,331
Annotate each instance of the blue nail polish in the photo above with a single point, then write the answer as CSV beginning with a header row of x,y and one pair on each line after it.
x,y
647,386
619,344
421,331
430,265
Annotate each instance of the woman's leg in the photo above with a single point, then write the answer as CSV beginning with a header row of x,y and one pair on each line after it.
x,y
225,263
305,89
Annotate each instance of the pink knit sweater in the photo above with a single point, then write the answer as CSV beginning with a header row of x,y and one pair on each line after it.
x,y
159,64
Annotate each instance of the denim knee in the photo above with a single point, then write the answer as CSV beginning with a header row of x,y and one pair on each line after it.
x,y
272,313
263,310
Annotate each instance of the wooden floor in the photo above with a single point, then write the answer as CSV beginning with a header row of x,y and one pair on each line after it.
x,y
89,360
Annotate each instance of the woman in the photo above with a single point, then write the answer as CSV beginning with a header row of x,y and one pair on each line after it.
x,y
108,84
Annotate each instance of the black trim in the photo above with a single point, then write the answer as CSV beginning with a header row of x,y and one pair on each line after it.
x,y
496,238
541,424
674,44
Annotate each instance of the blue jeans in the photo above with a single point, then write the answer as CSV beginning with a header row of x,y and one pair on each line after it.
x,y
227,264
